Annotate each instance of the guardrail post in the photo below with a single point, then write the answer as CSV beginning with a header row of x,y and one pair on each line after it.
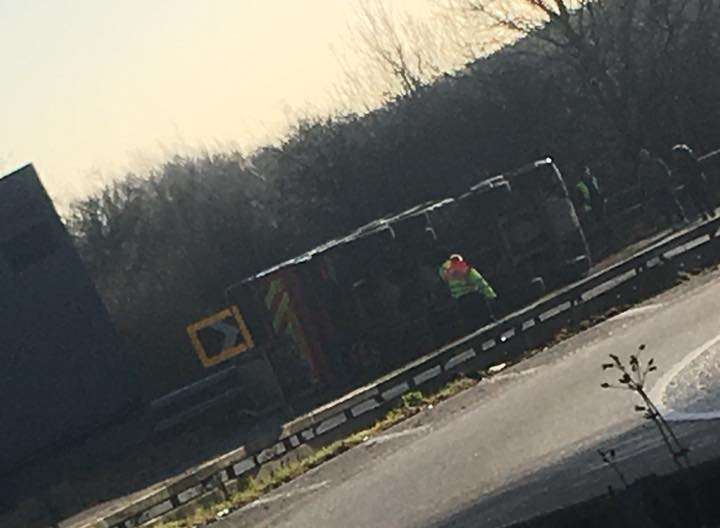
x,y
521,333
576,314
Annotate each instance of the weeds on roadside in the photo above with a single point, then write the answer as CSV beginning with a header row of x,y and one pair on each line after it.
x,y
251,488
412,399
633,377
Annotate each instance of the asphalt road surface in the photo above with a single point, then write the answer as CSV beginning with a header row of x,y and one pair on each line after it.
x,y
518,443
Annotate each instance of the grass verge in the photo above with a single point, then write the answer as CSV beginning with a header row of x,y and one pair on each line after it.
x,y
252,488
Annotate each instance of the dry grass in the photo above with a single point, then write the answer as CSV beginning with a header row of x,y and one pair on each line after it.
x,y
252,488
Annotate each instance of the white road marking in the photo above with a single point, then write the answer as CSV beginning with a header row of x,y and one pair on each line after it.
x,y
399,434
658,392
678,416
289,494
511,375
638,311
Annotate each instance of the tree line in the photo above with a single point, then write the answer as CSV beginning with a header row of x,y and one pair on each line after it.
x,y
586,82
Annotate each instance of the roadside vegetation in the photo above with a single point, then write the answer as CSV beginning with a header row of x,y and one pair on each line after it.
x,y
633,377
584,82
252,488
633,374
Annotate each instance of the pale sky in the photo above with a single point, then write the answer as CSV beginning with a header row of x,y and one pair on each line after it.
x,y
90,88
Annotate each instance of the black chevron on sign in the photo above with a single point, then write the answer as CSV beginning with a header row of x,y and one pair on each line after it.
x,y
220,336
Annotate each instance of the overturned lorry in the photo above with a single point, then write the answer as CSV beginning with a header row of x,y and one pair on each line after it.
x,y
360,305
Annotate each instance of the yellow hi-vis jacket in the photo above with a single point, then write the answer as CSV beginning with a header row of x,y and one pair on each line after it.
x,y
462,279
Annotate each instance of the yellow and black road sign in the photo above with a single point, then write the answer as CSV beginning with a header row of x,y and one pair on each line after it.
x,y
219,337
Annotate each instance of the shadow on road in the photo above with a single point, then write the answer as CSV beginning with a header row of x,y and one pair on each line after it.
x,y
584,480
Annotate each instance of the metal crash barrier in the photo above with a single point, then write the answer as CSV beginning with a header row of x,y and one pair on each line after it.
x,y
508,338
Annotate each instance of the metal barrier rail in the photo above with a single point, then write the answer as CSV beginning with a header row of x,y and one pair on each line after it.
x,y
630,199
215,478
189,391
179,406
644,259
512,324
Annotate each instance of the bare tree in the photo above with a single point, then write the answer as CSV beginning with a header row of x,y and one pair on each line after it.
x,y
396,53
605,42
571,27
